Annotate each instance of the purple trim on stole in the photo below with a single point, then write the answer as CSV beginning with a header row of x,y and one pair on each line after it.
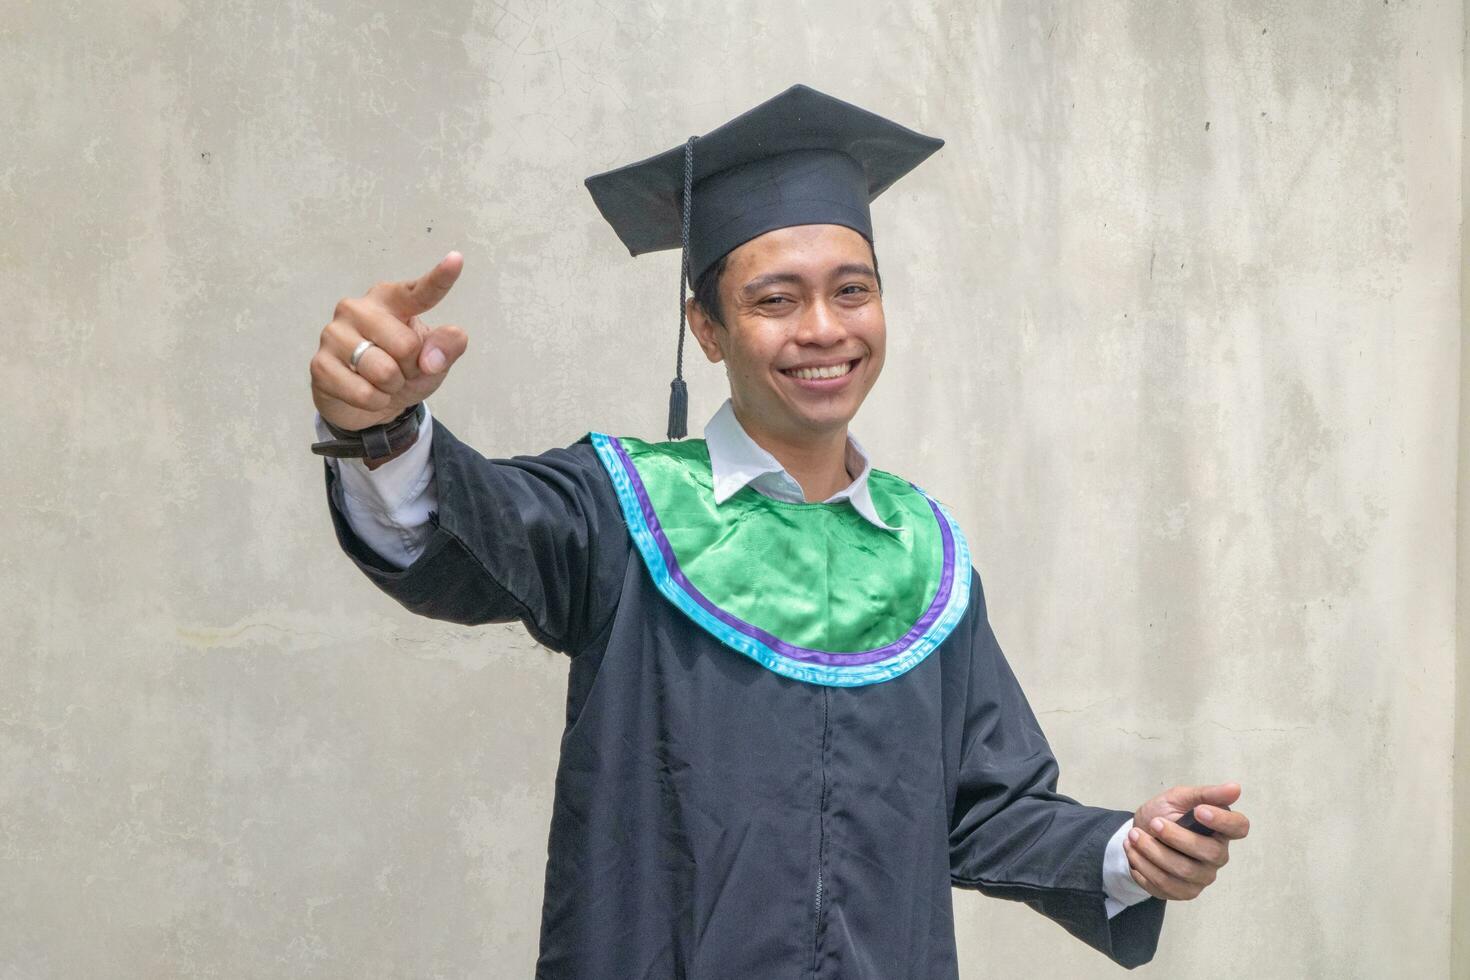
x,y
804,654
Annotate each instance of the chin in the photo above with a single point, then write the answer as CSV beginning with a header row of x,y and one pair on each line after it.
x,y
826,418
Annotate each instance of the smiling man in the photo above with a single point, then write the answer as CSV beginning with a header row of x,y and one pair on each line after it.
x,y
804,347
790,729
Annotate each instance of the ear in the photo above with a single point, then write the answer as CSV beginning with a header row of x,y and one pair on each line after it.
x,y
705,330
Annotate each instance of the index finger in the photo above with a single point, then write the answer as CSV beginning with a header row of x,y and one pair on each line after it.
x,y
1211,850
1231,824
412,297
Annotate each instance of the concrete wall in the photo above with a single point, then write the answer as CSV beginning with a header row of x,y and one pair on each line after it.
x,y
1174,328
1460,917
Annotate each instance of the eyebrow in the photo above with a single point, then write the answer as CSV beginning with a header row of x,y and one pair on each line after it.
x,y
772,278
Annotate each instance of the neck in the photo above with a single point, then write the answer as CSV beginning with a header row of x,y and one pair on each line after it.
x,y
816,461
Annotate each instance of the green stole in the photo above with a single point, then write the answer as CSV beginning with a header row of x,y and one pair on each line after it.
x,y
814,592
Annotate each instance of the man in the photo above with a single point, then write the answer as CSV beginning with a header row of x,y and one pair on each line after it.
x,y
790,728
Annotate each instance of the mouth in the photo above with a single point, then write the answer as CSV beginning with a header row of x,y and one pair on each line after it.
x,y
822,372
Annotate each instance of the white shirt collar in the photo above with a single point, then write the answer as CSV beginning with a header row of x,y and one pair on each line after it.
x,y
737,461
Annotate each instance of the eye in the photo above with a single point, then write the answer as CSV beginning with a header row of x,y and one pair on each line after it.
x,y
774,300
853,289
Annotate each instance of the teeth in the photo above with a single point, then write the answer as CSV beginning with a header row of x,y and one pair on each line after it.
x,y
812,374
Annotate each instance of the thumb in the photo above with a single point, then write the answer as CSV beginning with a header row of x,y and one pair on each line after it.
x,y
1220,794
442,347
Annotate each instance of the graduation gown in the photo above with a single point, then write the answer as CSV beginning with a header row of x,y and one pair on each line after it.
x,y
716,819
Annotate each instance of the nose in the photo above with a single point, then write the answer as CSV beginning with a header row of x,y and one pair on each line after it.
x,y
820,326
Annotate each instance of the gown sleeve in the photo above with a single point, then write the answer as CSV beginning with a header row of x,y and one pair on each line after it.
x,y
1013,836
539,539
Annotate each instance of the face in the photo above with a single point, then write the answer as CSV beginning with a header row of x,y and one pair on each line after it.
x,y
803,335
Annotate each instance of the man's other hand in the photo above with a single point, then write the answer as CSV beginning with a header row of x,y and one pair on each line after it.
x,y
1171,862
409,362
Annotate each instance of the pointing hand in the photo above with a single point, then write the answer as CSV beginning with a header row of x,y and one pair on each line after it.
x,y
408,363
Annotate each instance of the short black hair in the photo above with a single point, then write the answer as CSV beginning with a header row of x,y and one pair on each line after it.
x,y
707,286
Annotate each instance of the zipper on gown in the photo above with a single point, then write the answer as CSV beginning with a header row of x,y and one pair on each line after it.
x,y
822,826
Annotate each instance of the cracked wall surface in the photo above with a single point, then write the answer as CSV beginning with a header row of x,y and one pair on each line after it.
x,y
1174,329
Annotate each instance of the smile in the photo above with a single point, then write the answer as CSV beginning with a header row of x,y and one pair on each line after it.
x,y
820,373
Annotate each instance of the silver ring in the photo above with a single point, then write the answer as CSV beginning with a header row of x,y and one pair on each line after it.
x,y
360,350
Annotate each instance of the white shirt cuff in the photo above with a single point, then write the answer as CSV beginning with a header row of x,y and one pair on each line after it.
x,y
1122,890
389,507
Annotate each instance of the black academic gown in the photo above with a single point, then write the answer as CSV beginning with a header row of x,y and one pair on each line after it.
x,y
714,819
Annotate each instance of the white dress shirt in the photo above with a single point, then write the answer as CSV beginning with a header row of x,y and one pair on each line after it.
x,y
388,508
736,461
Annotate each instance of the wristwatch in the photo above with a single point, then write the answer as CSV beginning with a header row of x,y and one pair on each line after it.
x,y
376,441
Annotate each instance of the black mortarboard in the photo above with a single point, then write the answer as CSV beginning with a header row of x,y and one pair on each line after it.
x,y
801,158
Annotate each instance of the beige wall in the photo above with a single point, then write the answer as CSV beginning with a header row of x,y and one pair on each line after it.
x,y
1174,328
1460,920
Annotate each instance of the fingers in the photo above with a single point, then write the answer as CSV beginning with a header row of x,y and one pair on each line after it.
x,y
1164,872
412,297
1209,850
407,358
1180,865
335,380
1220,794
1231,824
442,347
358,319
376,366
1153,879
1143,871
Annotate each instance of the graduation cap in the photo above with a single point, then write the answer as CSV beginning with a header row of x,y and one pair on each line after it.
x,y
801,158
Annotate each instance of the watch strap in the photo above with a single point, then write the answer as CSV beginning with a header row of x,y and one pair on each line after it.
x,y
376,441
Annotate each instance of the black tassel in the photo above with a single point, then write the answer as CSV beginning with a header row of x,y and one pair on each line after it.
x,y
678,409
678,391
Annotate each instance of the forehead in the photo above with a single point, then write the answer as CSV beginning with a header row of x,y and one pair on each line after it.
x,y
801,249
